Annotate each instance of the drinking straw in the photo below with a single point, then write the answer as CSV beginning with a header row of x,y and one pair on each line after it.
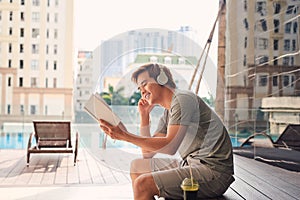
x,y
191,174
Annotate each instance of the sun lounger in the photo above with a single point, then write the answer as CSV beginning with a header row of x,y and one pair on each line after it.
x,y
52,137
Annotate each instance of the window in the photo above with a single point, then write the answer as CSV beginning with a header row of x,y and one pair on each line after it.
x,y
35,49
55,65
48,17
293,45
8,109
10,15
32,109
47,49
55,17
46,83
262,60
54,82
286,81
9,82
287,45
262,25
292,80
286,60
290,9
35,16
9,48
9,63
47,64
33,82
10,32
276,25
263,43
21,48
292,60
245,5
261,8
21,63
245,60
22,17
34,65
56,3
246,24
55,49
275,61
262,80
22,109
0,14
295,27
55,33
275,45
277,8
35,33
36,2
21,32
275,80
288,27
20,81
22,2
245,42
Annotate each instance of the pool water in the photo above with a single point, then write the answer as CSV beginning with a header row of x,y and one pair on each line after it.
x,y
20,141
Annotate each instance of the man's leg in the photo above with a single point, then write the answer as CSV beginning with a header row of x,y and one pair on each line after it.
x,y
139,167
143,184
144,187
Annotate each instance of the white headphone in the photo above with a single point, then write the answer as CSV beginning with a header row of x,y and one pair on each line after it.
x,y
162,78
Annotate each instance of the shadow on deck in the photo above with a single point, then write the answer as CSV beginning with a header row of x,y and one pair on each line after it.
x,y
55,177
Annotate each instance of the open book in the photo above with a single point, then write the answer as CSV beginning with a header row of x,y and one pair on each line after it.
x,y
99,109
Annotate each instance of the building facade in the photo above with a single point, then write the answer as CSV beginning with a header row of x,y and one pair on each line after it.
x,y
36,60
113,59
262,58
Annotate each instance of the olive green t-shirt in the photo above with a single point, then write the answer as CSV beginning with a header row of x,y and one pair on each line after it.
x,y
206,140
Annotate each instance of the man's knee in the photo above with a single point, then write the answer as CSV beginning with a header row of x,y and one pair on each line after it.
x,y
145,184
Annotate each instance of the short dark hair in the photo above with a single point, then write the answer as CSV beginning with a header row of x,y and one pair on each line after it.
x,y
153,70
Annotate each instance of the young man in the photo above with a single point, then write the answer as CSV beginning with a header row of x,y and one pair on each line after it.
x,y
188,126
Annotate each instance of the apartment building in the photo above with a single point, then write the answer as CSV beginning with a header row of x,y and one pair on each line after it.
x,y
262,58
36,60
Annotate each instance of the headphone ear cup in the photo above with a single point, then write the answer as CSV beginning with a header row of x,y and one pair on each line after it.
x,y
162,78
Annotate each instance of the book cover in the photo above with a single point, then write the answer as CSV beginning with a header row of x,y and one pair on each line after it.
x,y
99,109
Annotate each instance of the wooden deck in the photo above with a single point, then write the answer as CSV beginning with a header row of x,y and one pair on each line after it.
x,y
98,174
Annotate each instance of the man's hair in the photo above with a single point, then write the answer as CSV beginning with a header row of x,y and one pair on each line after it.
x,y
153,70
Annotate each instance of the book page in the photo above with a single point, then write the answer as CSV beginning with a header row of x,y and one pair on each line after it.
x,y
99,109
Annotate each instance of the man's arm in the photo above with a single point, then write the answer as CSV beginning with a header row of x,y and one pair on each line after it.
x,y
167,144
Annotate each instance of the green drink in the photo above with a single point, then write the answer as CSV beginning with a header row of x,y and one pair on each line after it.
x,y
190,189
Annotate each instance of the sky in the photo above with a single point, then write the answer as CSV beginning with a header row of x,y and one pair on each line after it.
x,y
99,20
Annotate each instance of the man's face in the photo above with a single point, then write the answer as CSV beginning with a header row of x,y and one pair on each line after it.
x,y
148,87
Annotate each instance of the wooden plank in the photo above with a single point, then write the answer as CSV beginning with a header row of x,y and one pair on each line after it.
x,y
9,161
72,173
230,194
62,169
97,177
50,168
264,177
246,190
83,171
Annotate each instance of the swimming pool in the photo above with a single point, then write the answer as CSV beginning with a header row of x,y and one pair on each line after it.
x,y
92,137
